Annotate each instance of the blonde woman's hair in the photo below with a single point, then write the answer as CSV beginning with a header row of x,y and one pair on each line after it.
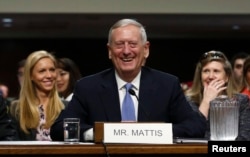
x,y
27,109
195,93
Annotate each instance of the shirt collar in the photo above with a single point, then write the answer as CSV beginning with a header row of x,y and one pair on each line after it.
x,y
135,82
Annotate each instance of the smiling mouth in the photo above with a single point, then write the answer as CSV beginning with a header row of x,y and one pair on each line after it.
x,y
127,59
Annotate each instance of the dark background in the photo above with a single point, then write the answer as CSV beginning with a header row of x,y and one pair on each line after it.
x,y
177,56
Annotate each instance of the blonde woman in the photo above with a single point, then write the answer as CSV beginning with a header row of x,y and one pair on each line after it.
x,y
213,78
39,103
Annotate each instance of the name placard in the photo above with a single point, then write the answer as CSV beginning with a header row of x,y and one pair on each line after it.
x,y
146,133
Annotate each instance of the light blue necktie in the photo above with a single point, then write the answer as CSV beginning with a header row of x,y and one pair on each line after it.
x,y
128,109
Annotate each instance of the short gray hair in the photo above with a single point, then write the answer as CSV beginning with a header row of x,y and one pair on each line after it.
x,y
125,22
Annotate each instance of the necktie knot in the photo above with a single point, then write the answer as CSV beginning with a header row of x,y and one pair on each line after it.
x,y
128,86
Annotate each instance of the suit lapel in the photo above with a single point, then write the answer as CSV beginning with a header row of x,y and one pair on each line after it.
x,y
110,98
145,96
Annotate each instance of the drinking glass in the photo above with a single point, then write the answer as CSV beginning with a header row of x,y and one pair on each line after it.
x,y
71,128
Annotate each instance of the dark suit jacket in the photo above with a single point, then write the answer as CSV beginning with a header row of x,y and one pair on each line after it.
x,y
7,128
161,99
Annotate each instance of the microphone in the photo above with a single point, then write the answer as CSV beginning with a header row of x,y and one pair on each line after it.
x,y
132,92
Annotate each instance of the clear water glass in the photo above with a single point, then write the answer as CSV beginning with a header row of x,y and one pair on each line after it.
x,y
71,128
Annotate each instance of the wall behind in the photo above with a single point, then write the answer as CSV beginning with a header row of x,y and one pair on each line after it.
x,y
129,6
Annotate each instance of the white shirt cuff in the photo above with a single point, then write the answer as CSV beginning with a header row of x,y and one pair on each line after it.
x,y
89,135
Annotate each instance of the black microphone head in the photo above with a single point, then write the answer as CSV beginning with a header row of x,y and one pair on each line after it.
x,y
131,91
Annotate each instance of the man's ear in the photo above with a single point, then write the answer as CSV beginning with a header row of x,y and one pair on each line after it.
x,y
109,52
146,50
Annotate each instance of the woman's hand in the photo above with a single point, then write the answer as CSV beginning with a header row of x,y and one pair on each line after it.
x,y
211,90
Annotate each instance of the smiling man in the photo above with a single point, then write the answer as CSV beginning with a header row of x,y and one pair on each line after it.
x,y
157,96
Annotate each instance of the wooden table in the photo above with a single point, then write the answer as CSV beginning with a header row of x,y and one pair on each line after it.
x,y
91,149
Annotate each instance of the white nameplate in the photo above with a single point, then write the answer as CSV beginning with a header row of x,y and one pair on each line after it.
x,y
146,133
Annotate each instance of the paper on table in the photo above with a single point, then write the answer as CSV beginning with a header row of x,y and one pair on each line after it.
x,y
190,140
38,143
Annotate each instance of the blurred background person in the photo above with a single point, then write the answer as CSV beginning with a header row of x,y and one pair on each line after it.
x,y
67,75
4,89
20,71
237,63
214,78
39,103
186,85
245,87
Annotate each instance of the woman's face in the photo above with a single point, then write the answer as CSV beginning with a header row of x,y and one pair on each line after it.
x,y
213,70
44,75
62,80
